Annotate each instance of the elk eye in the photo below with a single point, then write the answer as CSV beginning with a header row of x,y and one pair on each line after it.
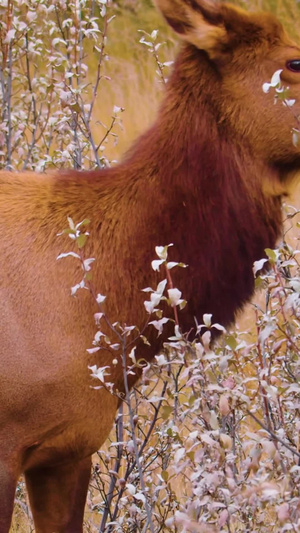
x,y
293,65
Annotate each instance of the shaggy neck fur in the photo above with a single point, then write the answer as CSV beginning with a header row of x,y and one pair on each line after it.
x,y
184,182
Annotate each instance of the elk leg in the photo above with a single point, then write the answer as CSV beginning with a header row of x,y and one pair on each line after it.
x,y
7,495
57,496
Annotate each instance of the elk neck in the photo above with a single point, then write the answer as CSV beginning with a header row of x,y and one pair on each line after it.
x,y
187,181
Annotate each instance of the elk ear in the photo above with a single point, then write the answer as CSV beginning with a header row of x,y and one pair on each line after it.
x,y
198,22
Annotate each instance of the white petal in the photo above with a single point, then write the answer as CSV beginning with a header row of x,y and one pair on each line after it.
x,y
275,80
266,87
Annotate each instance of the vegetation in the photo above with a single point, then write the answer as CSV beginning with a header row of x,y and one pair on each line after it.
x,y
209,441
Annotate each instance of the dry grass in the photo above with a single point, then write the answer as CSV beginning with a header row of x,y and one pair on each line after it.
x,y
133,83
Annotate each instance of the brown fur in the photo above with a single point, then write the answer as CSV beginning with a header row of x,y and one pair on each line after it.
x,y
208,176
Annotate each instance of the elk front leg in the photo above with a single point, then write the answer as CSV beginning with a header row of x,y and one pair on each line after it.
x,y
57,496
8,482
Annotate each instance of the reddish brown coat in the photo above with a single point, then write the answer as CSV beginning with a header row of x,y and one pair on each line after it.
x,y
208,176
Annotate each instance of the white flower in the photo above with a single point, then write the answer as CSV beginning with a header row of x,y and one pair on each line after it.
x,y
275,82
161,360
156,264
100,298
76,287
99,372
174,297
159,324
131,488
289,102
87,263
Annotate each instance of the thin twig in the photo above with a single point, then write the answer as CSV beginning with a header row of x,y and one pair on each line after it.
x,y
273,435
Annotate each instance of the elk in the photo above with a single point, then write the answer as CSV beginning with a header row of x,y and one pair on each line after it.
x,y
208,176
